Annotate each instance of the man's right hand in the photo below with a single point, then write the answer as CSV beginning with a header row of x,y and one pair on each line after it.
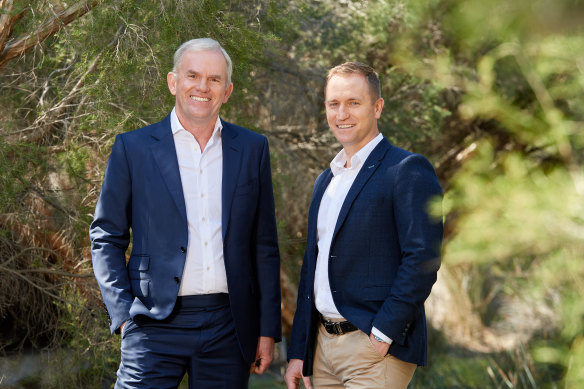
x,y
122,327
294,374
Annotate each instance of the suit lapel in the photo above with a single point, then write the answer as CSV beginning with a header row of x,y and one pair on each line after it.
x,y
232,155
369,167
312,242
164,152
319,190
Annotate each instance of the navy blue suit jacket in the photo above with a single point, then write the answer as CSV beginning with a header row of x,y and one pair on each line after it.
x,y
384,255
142,193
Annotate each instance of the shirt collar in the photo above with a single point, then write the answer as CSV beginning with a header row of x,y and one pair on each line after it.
x,y
176,126
357,160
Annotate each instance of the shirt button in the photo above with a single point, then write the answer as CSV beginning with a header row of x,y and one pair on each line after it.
x,y
202,195
203,219
182,249
201,171
206,243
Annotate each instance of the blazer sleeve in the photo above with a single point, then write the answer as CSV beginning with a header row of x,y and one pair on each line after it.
x,y
110,236
267,253
420,239
300,325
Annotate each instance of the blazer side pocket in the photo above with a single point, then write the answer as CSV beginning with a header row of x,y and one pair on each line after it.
x,y
138,267
140,288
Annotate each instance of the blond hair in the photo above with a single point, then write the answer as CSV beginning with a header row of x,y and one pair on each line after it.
x,y
358,68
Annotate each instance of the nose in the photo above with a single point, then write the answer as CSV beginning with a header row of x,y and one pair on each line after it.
x,y
342,113
202,85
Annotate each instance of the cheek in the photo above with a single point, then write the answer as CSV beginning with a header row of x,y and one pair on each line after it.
x,y
330,116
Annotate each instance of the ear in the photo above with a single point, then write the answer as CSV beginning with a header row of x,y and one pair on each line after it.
x,y
171,80
378,107
228,92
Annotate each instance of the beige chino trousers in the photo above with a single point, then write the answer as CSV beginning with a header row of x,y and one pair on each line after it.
x,y
351,361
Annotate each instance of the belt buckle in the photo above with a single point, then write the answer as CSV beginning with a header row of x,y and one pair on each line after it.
x,y
338,328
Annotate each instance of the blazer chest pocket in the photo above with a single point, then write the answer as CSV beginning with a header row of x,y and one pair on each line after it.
x,y
377,292
138,267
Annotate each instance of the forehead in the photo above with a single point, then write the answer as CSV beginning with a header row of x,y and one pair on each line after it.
x,y
206,60
347,86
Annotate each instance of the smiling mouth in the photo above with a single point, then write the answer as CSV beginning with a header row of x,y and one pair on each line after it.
x,y
203,99
342,126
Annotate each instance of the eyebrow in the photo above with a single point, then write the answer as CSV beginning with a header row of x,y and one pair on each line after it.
x,y
211,76
336,100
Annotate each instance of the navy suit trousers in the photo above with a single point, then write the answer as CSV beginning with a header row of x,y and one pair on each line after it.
x,y
198,338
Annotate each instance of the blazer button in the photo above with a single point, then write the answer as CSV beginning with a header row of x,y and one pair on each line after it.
x,y
182,249
176,279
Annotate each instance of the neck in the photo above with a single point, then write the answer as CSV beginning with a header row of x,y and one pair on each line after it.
x,y
351,150
202,131
349,156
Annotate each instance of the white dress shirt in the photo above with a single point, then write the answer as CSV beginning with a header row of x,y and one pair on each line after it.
x,y
328,213
201,175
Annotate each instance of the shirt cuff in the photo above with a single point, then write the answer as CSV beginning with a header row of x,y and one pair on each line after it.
x,y
381,335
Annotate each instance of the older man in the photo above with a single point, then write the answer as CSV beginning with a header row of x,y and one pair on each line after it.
x,y
372,252
200,292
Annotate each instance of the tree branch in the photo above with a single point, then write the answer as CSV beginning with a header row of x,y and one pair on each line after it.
x,y
7,21
56,272
50,27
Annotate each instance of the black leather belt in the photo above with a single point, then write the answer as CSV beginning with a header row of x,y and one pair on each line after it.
x,y
202,300
337,328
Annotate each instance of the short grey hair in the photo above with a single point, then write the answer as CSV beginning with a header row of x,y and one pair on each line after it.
x,y
202,44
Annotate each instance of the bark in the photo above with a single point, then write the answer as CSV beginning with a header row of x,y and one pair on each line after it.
x,y
12,47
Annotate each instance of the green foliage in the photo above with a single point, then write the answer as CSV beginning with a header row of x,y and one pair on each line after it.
x,y
496,230
493,86
414,112
131,74
323,34
62,104
20,163
89,355
75,161
516,204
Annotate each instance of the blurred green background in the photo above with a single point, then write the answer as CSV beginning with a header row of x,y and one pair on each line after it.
x,y
490,91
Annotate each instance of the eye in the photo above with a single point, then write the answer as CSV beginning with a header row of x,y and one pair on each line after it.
x,y
333,105
354,103
215,80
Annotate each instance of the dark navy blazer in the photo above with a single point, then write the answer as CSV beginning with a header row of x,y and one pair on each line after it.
x,y
142,193
384,255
